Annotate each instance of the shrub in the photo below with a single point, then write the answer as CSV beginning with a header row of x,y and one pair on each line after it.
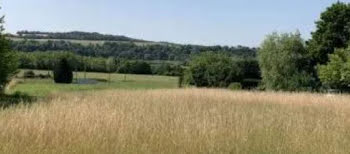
x,y
29,74
137,67
250,83
141,68
63,72
213,70
15,99
235,86
168,70
44,76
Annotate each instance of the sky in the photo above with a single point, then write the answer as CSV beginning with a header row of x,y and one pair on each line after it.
x,y
203,22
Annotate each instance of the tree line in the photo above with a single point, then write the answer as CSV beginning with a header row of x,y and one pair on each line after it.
x,y
75,35
289,63
47,61
129,50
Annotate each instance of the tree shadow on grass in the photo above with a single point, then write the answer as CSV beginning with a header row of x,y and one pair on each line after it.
x,y
17,98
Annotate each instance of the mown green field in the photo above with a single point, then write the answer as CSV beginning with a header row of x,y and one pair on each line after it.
x,y
44,87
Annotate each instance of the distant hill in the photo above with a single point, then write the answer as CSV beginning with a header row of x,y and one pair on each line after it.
x,y
75,35
101,45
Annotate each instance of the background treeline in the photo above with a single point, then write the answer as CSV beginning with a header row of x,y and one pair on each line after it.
x,y
246,71
48,60
129,50
76,35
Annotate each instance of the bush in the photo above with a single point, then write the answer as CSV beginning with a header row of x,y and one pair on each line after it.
x,y
141,68
250,83
213,70
168,70
29,74
137,67
44,76
15,99
63,72
250,68
235,86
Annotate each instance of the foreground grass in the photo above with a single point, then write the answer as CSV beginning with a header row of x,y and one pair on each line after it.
x,y
44,87
179,121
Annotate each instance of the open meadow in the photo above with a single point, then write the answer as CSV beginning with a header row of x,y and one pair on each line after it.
x,y
149,114
178,121
181,77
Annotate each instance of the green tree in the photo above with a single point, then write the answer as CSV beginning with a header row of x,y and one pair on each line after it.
x,y
8,59
63,72
283,62
213,70
250,71
336,74
140,67
110,67
168,70
137,67
333,31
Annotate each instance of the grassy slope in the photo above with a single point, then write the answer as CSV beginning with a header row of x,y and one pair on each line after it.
x,y
179,121
43,87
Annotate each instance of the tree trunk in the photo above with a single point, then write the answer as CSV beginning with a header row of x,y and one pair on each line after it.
x,y
2,90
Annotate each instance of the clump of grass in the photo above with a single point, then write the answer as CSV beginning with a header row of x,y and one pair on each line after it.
x,y
8,100
179,121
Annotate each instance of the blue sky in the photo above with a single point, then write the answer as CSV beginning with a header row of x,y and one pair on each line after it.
x,y
206,22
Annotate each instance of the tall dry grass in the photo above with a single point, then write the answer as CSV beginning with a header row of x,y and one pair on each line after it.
x,y
179,121
11,84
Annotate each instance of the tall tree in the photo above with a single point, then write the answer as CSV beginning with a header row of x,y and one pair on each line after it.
x,y
63,72
282,59
336,74
333,31
8,60
110,67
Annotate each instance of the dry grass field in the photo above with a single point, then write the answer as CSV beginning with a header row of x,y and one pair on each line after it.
x,y
179,121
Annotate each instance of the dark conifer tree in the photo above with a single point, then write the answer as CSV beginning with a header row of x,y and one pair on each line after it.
x,y
63,72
